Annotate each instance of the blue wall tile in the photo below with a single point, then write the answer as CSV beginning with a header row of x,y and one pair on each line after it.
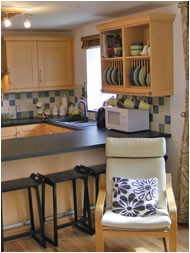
x,y
161,128
35,101
57,93
17,96
52,100
12,102
29,95
161,100
155,109
30,114
167,119
18,115
46,93
47,106
6,97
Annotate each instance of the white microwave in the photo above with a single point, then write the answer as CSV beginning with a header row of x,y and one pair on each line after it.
x,y
126,120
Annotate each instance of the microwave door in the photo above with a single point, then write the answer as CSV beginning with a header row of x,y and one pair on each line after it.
x,y
113,118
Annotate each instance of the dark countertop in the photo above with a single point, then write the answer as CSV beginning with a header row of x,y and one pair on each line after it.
x,y
35,120
88,138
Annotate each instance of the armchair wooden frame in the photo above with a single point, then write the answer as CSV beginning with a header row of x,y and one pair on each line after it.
x,y
103,231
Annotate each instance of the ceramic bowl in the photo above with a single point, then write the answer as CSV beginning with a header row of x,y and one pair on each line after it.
x,y
137,43
136,47
135,52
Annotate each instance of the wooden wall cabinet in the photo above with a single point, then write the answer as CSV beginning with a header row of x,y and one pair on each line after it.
x,y
55,64
157,67
22,65
39,63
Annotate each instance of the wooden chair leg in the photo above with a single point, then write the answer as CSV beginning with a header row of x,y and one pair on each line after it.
x,y
165,244
173,239
99,239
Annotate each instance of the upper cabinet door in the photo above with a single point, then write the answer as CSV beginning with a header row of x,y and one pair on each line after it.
x,y
55,64
22,65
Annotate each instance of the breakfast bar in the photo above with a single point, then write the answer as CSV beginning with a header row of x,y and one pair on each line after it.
x,y
48,154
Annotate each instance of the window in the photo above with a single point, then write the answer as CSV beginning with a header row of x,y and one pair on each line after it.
x,y
95,97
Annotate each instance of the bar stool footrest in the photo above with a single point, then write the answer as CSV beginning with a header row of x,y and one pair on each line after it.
x,y
72,223
85,228
13,237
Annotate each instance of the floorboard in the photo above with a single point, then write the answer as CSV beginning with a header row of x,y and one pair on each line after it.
x,y
72,239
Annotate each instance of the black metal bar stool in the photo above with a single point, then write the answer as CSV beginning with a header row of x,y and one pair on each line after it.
x,y
60,177
19,184
97,170
94,171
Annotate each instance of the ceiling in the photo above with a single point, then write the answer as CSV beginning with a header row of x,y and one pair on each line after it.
x,y
68,15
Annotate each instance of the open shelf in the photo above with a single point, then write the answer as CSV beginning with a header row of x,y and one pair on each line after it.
x,y
137,57
112,59
148,75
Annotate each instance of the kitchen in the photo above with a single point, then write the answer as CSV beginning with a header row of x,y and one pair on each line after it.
x,y
45,156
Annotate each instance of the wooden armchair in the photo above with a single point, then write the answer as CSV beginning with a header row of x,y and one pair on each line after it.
x,y
136,158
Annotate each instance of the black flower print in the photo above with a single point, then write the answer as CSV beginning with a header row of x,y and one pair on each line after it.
x,y
146,188
130,206
151,208
120,185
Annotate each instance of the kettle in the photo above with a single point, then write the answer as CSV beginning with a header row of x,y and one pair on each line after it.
x,y
101,117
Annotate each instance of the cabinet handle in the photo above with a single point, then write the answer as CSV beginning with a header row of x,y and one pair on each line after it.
x,y
18,134
183,114
41,77
10,76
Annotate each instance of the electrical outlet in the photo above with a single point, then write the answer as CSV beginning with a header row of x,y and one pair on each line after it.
x,y
19,108
8,109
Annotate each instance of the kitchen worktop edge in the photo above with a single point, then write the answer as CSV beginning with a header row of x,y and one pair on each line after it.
x,y
88,138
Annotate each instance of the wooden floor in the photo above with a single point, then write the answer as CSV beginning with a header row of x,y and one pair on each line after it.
x,y
72,239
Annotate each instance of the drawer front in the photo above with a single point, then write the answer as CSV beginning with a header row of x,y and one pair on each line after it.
x,y
8,131
50,129
29,130
28,127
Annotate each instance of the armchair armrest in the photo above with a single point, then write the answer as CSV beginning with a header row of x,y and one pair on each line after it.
x,y
171,199
101,200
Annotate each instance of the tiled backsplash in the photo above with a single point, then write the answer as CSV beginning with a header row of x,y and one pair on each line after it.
x,y
160,113
23,105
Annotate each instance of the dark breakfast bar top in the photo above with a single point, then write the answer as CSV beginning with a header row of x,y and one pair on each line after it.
x,y
88,138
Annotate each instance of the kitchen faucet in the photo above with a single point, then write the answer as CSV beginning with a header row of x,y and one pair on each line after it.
x,y
85,113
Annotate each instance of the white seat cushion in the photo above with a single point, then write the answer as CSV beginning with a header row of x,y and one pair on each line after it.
x,y
157,221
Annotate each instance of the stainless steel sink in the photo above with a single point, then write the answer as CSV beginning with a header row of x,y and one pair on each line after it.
x,y
78,124
81,124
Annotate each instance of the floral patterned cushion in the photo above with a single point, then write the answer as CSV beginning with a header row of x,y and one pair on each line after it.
x,y
134,197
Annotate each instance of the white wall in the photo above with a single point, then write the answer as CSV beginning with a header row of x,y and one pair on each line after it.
x,y
177,101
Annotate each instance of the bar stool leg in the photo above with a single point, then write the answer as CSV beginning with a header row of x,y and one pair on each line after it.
x,y
43,200
43,242
97,185
75,200
2,240
55,215
85,206
31,209
88,205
